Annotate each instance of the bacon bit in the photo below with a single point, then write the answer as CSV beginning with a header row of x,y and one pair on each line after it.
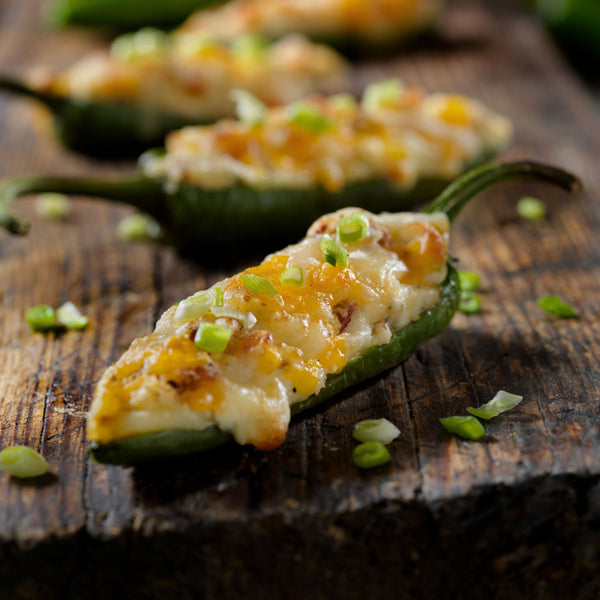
x,y
255,339
192,378
343,312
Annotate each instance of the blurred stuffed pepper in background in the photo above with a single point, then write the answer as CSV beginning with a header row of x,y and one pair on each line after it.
x,y
575,24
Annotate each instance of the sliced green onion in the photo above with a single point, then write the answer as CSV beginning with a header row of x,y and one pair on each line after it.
x,y
370,454
470,302
249,46
292,276
469,280
557,307
41,318
467,427
249,109
138,228
218,295
53,206
70,316
212,337
333,253
353,228
145,42
500,403
246,319
193,308
23,461
382,93
342,102
309,116
260,285
196,46
532,209
375,430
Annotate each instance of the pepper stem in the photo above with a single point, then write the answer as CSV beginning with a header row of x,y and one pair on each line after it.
x,y
453,199
19,87
141,192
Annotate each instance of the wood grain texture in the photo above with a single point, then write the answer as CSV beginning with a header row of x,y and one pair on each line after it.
x,y
515,515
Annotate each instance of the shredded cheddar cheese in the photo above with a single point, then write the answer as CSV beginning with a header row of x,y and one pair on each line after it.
x,y
194,77
287,351
374,20
331,143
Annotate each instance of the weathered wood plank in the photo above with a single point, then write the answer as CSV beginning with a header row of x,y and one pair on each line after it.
x,y
516,511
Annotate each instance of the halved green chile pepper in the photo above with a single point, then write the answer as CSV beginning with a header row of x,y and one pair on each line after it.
x,y
374,360
103,128
575,25
125,14
194,219
357,28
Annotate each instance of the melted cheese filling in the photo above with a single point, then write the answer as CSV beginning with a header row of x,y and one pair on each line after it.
x,y
376,20
402,140
194,78
294,341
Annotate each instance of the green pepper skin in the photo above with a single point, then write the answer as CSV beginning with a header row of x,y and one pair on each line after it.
x,y
101,128
123,14
576,26
241,215
161,444
196,220
374,360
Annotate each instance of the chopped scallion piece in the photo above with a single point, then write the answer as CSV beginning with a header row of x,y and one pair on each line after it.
x,y
467,427
41,318
333,253
370,454
250,46
138,228
557,307
382,93
470,302
353,228
53,206
195,46
70,316
309,116
469,280
292,276
342,102
212,337
23,461
193,308
249,109
500,403
218,295
246,319
145,42
532,209
260,285
375,430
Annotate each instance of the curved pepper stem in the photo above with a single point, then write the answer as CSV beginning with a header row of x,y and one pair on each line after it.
x,y
53,102
138,191
453,199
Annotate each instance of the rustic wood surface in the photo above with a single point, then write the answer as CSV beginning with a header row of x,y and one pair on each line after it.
x,y
514,515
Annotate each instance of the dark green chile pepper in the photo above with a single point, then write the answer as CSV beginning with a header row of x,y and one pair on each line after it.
x,y
194,219
103,128
374,360
123,14
576,26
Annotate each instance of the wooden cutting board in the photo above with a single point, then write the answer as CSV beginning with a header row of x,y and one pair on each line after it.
x,y
514,515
